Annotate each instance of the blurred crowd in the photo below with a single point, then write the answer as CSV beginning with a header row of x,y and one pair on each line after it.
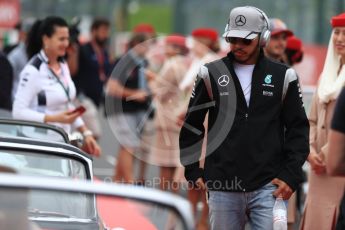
x,y
49,75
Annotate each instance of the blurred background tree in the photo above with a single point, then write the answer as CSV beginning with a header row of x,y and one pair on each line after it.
x,y
309,19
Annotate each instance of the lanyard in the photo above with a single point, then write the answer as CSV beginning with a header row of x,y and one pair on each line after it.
x,y
65,89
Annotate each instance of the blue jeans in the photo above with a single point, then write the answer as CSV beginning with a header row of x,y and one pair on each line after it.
x,y
231,210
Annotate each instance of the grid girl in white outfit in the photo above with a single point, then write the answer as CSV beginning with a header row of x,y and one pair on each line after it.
x,y
46,91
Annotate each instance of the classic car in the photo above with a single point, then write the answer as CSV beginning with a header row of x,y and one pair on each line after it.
x,y
36,157
33,130
25,203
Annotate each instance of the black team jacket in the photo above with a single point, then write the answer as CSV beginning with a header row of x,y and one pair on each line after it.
x,y
247,146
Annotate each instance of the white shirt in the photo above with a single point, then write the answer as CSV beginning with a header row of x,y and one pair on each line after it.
x,y
36,79
244,74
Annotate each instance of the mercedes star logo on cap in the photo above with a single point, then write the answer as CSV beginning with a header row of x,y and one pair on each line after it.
x,y
223,80
240,20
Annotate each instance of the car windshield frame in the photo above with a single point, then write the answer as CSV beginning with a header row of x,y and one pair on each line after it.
x,y
176,204
33,162
36,125
49,148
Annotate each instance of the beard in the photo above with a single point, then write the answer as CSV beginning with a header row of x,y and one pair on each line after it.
x,y
102,42
247,56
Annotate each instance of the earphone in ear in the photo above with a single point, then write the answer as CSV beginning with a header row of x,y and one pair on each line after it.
x,y
266,33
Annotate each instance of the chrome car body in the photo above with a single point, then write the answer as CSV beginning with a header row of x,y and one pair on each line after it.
x,y
157,209
35,157
32,130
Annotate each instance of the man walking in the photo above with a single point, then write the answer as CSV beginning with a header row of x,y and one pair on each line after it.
x,y
94,62
259,155
93,69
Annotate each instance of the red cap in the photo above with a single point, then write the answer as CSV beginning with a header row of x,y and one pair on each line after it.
x,y
277,26
176,39
294,43
144,28
208,33
338,21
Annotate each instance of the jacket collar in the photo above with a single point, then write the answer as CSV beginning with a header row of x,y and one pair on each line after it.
x,y
259,70
43,56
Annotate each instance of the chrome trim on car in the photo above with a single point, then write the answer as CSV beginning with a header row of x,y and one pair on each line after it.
x,y
36,124
58,149
180,205
62,219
